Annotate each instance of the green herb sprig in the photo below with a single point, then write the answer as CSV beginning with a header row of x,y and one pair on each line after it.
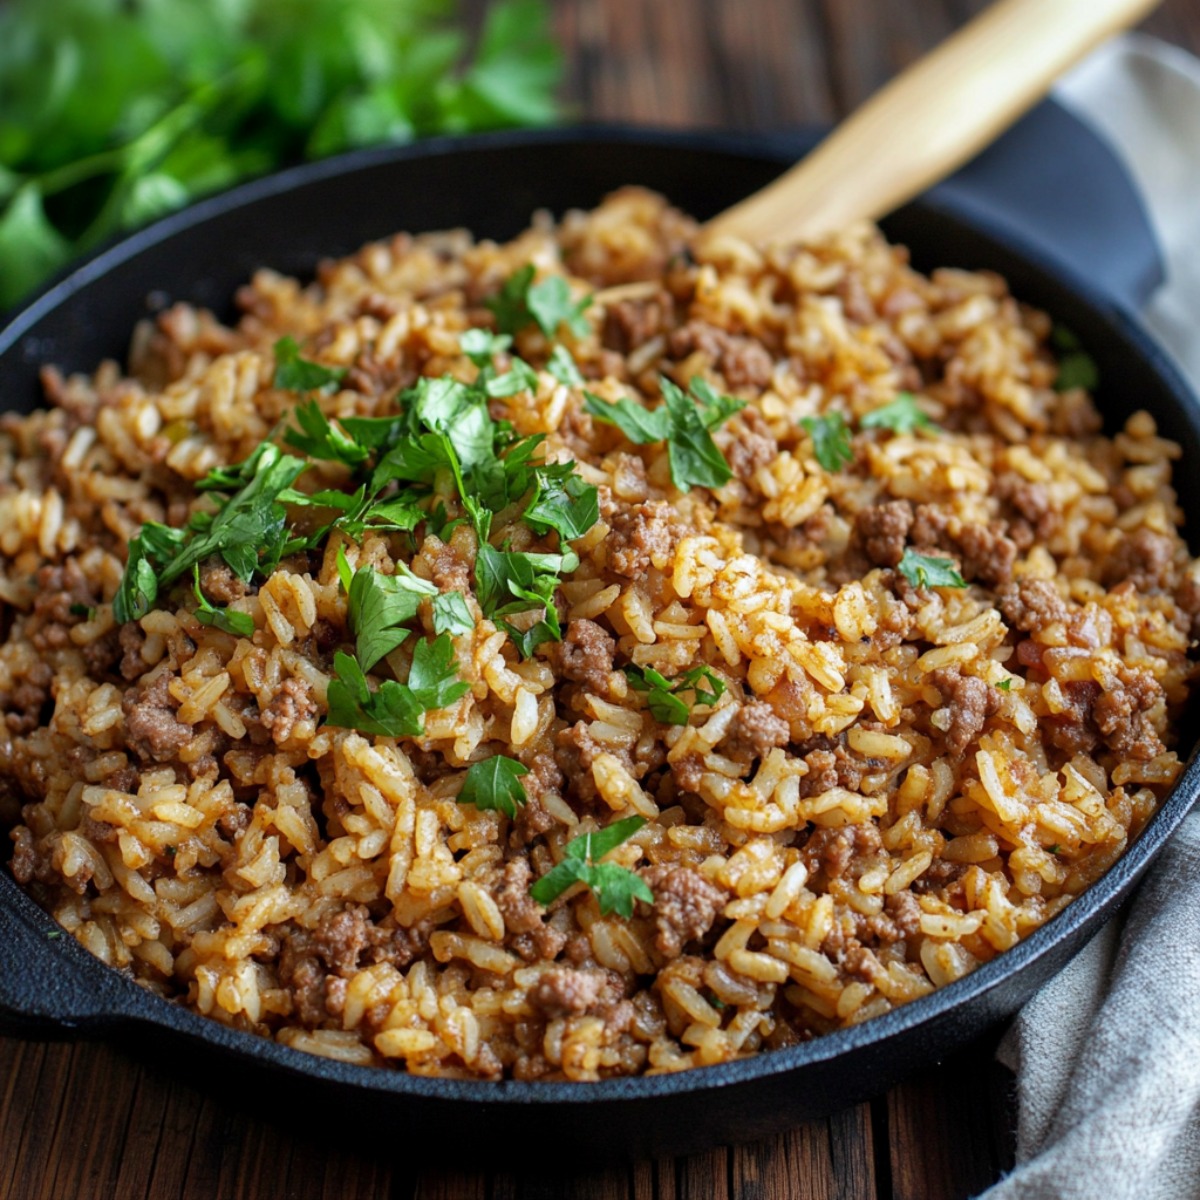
x,y
925,571
663,695
615,887
115,114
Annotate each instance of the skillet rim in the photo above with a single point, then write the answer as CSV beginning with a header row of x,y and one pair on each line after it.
x,y
125,1005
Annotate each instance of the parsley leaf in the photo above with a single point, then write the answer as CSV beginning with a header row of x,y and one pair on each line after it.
x,y
550,305
831,440
562,501
138,589
547,304
1005,685
638,423
1076,368
683,423
395,709
663,697
901,415
482,345
451,614
615,887
227,620
392,711
520,377
508,582
496,784
379,605
296,374
433,679
562,366
318,438
923,571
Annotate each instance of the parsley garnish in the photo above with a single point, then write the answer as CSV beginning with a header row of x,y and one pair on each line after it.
x,y
379,605
831,440
395,709
923,571
249,531
227,620
663,697
562,366
296,374
495,783
901,415
615,887
682,422
1005,685
482,345
1053,849
82,610
451,614
1076,368
548,304
520,377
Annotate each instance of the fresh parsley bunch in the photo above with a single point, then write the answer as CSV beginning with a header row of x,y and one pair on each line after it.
x,y
114,112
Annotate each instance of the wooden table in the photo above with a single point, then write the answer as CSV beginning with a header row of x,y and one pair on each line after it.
x,y
80,1120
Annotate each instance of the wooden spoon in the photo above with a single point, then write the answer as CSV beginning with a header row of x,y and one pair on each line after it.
x,y
930,119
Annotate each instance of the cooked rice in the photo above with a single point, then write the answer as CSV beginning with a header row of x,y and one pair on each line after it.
x,y
898,785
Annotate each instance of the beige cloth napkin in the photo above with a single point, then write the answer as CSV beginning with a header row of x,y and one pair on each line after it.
x,y
1107,1054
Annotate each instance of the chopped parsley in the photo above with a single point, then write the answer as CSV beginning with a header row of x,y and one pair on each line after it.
x,y
1053,849
379,605
1076,368
451,614
395,709
548,304
923,571
662,694
239,624
496,784
249,531
296,374
901,415
482,345
683,422
82,610
562,366
1005,685
615,887
831,440
53,935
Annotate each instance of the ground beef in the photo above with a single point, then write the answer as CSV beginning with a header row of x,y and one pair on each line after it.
x,y
970,701
293,703
1121,716
1143,557
743,362
753,445
566,991
586,655
883,531
340,938
629,324
1073,729
574,753
132,639
1030,503
834,850
59,590
640,534
685,906
830,764
523,915
26,863
30,695
988,553
1031,604
756,731
219,583
151,728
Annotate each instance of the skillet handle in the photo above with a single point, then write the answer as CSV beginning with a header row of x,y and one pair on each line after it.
x,y
49,984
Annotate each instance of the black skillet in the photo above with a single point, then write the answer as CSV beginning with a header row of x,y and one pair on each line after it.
x,y
50,986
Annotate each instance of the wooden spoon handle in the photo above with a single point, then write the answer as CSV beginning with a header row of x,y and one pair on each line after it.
x,y
930,119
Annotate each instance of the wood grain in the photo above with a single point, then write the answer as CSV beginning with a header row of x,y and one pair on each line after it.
x,y
86,1121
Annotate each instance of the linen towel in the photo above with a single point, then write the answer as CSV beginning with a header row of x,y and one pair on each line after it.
x,y
1107,1055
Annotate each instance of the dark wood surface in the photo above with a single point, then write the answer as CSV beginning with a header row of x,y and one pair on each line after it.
x,y
82,1120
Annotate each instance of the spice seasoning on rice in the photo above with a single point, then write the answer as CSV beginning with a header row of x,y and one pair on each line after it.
x,y
564,659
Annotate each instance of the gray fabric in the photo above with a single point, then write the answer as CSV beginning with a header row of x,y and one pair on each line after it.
x,y
1107,1055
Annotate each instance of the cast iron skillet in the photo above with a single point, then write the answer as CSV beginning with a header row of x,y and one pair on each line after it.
x,y
51,985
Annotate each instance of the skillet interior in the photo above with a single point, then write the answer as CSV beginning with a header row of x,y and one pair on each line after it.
x,y
492,185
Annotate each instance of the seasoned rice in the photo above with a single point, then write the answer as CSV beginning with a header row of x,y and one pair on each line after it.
x,y
897,783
